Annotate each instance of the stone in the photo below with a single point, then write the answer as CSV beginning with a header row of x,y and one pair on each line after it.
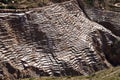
x,y
47,42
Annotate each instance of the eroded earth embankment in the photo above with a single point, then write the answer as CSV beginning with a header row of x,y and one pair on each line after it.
x,y
53,41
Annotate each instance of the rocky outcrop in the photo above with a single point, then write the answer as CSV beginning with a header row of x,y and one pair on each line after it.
x,y
108,19
98,12
56,40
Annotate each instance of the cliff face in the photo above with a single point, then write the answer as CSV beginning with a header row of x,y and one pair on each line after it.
x,y
53,41
105,13
101,12
112,5
108,19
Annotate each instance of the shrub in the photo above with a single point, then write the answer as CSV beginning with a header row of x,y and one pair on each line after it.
x,y
5,1
2,7
11,7
89,2
41,4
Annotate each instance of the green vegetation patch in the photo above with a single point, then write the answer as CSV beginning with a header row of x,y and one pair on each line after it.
x,y
90,2
22,4
107,74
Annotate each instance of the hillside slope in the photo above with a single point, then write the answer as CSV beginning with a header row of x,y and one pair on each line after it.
x,y
26,4
56,40
107,74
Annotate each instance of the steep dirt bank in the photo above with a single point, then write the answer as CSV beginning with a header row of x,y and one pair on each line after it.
x,y
56,40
